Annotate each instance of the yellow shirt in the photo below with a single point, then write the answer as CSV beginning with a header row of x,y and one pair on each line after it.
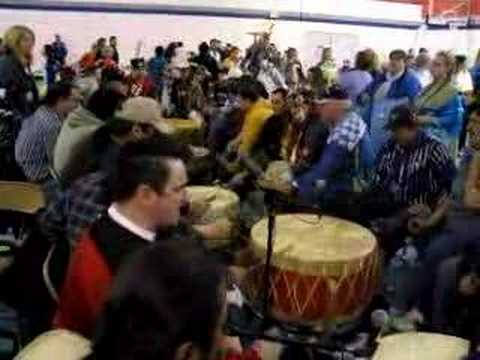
x,y
255,120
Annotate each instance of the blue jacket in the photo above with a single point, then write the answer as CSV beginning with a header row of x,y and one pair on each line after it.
x,y
448,120
60,51
156,67
406,87
476,76
337,166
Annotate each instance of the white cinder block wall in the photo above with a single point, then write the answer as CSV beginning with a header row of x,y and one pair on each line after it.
x,y
80,29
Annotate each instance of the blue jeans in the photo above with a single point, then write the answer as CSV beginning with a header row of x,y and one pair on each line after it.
x,y
461,234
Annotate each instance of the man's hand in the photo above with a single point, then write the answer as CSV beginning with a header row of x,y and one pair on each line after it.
x,y
218,230
233,145
418,225
419,209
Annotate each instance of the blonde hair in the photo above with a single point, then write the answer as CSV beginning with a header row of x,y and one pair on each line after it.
x,y
449,60
13,37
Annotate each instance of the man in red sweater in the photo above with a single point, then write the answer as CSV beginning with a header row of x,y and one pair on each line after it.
x,y
148,187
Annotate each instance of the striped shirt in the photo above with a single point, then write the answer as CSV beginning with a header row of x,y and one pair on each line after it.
x,y
35,141
421,173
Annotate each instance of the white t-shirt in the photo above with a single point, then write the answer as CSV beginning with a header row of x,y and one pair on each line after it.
x,y
463,82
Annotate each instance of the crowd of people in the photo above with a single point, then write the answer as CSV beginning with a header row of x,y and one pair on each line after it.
x,y
393,146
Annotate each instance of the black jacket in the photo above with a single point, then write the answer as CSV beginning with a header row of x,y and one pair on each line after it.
x,y
21,90
18,100
209,62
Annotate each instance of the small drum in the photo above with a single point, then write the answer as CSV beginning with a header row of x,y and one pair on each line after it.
x,y
187,131
324,273
209,204
278,176
56,344
200,165
421,346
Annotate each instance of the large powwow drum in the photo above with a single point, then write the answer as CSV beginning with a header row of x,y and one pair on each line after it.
x,y
324,273
210,204
424,346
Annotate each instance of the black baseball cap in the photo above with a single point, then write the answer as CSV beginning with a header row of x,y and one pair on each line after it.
x,y
401,116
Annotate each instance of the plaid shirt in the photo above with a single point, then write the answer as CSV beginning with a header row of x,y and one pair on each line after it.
x,y
73,211
34,143
349,132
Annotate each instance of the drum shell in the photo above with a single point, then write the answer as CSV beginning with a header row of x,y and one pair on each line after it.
x,y
324,270
321,299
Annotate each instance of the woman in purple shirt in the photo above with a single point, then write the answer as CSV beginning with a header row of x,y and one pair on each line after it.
x,y
355,81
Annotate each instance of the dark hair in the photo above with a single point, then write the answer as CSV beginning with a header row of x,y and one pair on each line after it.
x,y
168,294
363,61
399,54
170,51
114,127
104,102
248,92
159,51
57,91
475,106
48,50
203,48
113,38
248,84
470,261
281,91
112,74
144,162
337,93
460,59
401,116
423,51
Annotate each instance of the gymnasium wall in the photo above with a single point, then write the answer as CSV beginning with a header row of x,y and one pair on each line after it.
x,y
348,25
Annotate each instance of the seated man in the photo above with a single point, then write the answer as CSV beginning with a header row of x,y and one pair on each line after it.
x,y
413,179
307,134
73,146
71,211
257,111
148,190
35,142
268,148
335,168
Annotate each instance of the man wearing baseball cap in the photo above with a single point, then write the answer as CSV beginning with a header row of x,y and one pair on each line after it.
x,y
334,172
144,110
414,171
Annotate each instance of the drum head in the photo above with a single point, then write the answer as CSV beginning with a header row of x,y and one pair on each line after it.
x,y
422,346
209,204
310,245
